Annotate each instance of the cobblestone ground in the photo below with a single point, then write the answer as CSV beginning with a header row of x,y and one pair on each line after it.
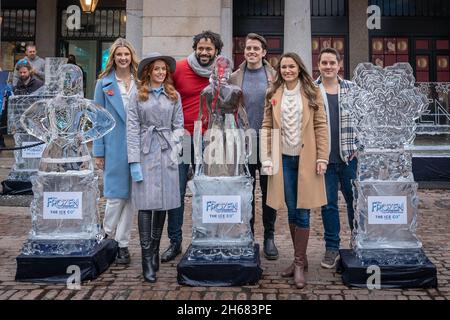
x,y
126,283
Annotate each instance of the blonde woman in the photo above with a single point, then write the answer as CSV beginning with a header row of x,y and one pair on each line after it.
x,y
114,88
294,108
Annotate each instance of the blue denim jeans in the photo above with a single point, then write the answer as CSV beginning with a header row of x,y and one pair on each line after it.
x,y
343,174
299,217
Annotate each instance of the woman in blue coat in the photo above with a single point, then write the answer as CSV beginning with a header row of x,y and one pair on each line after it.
x,y
115,86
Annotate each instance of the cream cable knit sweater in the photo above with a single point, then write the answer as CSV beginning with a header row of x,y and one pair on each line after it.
x,y
291,121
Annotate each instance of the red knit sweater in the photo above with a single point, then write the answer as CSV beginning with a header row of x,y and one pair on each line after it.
x,y
190,85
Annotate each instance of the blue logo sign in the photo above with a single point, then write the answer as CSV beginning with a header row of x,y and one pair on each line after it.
x,y
381,207
58,203
222,207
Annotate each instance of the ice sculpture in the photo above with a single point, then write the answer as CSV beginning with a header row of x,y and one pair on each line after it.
x,y
225,148
385,106
222,186
27,160
64,207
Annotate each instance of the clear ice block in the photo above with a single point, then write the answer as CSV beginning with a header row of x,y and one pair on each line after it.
x,y
64,207
222,186
385,106
207,232
26,160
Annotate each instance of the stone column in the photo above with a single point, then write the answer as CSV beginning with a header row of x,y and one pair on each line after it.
x,y
168,26
134,24
46,25
297,30
358,33
226,28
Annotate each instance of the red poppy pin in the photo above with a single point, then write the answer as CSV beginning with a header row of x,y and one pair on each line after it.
x,y
109,92
274,102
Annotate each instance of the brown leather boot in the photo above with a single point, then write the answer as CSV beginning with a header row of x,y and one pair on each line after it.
x,y
301,244
289,271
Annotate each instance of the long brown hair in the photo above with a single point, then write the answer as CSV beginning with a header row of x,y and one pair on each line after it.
x,y
145,81
306,81
120,42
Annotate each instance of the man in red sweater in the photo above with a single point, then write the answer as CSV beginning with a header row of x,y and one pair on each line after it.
x,y
190,78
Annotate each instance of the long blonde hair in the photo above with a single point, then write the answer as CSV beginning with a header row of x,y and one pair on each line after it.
x,y
144,83
120,42
306,81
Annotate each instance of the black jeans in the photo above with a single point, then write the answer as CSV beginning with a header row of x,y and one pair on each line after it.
x,y
176,216
269,215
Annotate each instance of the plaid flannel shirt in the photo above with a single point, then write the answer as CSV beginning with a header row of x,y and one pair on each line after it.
x,y
349,143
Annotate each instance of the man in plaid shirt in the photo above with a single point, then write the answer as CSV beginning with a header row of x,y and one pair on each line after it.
x,y
343,151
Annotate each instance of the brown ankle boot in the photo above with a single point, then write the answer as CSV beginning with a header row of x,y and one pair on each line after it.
x,y
301,244
289,271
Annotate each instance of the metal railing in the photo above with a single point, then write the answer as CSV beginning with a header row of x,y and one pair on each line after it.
x,y
18,24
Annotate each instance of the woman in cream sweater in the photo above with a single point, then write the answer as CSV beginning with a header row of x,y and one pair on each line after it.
x,y
295,153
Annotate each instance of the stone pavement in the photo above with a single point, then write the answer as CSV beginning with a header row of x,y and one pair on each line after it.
x,y
126,283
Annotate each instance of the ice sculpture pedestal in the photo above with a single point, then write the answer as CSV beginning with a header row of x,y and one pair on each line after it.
x,y
402,274
387,253
386,240
218,270
222,251
54,268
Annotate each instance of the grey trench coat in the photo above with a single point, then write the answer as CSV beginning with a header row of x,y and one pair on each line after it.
x,y
154,131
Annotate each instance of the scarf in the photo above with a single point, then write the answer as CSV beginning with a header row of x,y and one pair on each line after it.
x,y
202,71
158,91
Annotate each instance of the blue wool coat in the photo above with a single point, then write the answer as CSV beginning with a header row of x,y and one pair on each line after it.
x,y
113,146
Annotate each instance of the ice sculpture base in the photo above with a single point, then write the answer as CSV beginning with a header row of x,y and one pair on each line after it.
x,y
220,267
221,211
386,215
17,187
59,247
401,268
52,268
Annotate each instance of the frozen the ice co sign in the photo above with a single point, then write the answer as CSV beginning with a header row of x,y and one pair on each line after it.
x,y
33,152
63,205
221,209
387,210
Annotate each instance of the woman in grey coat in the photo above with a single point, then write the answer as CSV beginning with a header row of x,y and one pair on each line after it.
x,y
154,129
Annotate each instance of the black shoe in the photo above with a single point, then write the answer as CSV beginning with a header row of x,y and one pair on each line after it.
x,y
172,251
270,250
123,256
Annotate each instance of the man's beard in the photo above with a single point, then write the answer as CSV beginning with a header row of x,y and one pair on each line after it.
x,y
211,60
24,79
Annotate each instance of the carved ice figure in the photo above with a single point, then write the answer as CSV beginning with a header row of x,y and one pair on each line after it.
x,y
27,160
385,106
65,188
222,187
225,152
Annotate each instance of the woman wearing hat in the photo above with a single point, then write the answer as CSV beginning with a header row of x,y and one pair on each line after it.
x,y
113,91
154,129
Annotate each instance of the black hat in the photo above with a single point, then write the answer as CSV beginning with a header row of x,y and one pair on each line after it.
x,y
152,57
